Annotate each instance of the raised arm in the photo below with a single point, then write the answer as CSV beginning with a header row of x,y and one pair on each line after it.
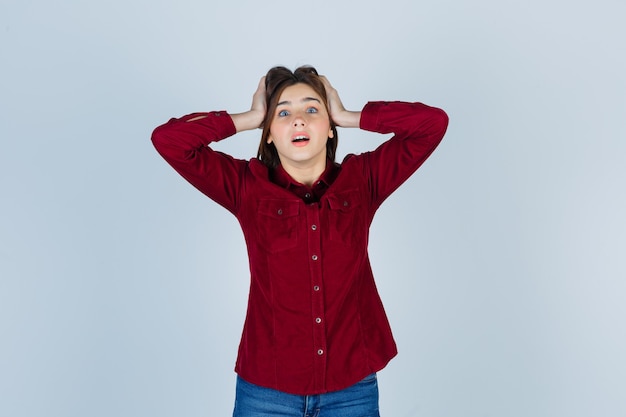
x,y
184,144
417,130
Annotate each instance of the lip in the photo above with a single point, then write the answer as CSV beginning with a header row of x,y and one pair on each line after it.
x,y
300,135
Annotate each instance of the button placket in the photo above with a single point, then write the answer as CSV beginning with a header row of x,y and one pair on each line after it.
x,y
317,296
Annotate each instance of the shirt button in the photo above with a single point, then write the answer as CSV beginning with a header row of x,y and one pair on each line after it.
x,y
314,257
318,320
316,288
345,204
314,227
307,195
320,352
280,212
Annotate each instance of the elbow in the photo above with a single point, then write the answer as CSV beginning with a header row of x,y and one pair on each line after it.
x,y
159,136
440,122
156,137
434,121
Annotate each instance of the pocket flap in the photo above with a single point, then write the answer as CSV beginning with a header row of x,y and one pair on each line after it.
x,y
344,201
279,209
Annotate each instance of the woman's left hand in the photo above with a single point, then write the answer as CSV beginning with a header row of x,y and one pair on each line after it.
x,y
338,112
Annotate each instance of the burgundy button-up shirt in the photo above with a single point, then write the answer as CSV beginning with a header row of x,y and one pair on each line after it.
x,y
315,322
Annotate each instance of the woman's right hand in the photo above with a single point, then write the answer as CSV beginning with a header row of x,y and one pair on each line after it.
x,y
253,118
258,102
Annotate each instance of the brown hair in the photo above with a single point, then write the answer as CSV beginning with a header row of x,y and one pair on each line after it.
x,y
276,80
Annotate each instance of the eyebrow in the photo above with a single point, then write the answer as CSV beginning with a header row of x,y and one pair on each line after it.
x,y
304,100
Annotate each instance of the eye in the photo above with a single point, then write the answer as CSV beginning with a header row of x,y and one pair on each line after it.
x,y
283,113
311,110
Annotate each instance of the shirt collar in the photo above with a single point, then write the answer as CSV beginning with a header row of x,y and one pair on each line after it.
x,y
280,177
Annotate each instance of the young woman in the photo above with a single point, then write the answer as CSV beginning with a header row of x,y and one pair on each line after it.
x,y
315,332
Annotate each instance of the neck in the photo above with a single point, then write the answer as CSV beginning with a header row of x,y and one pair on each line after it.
x,y
306,175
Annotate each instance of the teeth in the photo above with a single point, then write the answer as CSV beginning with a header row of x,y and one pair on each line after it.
x,y
299,138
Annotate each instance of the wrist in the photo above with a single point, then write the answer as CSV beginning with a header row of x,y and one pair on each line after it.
x,y
248,120
348,119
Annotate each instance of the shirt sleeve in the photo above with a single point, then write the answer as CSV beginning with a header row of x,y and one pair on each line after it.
x,y
417,129
184,144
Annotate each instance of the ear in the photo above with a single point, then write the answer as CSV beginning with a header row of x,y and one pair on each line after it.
x,y
331,134
269,139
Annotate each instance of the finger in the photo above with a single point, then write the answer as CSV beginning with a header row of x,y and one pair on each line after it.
x,y
258,98
326,83
261,86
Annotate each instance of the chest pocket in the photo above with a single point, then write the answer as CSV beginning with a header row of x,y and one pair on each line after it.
x,y
278,224
345,218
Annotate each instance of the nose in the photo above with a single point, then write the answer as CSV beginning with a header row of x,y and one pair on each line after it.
x,y
299,120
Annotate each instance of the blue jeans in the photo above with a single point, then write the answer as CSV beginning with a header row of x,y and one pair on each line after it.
x,y
358,400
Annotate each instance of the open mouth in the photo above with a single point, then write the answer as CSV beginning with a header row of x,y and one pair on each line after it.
x,y
300,139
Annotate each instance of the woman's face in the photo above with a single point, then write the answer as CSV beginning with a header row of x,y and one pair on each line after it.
x,y
300,128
